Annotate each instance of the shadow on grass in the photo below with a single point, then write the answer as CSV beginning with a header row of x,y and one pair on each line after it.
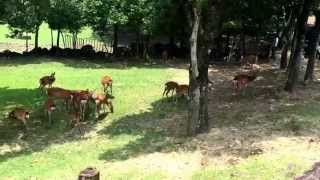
x,y
150,128
39,136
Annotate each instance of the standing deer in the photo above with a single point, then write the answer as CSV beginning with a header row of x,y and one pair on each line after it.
x,y
101,100
170,86
60,94
182,90
47,80
106,81
80,100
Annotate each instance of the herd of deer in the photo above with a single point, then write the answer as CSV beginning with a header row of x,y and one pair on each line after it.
x,y
76,101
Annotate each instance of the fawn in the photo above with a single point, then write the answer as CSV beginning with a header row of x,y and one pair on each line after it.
x,y
20,114
80,100
100,100
49,107
47,80
106,81
170,86
182,90
241,81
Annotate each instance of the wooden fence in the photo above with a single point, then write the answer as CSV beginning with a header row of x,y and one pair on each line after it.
x,y
68,42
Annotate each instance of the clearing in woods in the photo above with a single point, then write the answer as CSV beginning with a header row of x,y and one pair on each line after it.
x,y
263,133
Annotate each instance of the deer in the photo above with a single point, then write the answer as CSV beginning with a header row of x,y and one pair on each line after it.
x,y
101,100
182,90
61,94
241,81
47,80
106,81
80,100
170,86
20,114
49,107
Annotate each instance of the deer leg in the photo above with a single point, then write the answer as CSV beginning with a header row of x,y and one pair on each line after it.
x,y
49,117
111,88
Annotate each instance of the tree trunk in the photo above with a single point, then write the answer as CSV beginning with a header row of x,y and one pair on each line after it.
x,y
27,43
115,39
296,61
243,43
51,38
58,38
309,75
284,56
36,38
194,89
74,40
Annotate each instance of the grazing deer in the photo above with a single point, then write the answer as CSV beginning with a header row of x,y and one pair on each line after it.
x,y
47,80
61,94
49,107
101,100
20,114
80,100
241,81
170,86
106,81
182,90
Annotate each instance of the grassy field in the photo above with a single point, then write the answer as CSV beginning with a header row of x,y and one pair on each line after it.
x,y
136,142
44,35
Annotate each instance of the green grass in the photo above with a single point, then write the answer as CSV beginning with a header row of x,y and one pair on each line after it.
x,y
60,153
122,144
44,35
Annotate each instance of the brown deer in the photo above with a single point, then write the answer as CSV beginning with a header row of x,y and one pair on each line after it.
x,y
49,107
170,86
20,114
80,100
241,81
106,81
101,100
47,80
182,91
60,94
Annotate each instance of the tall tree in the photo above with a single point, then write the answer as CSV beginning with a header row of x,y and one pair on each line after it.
x,y
103,15
309,75
294,68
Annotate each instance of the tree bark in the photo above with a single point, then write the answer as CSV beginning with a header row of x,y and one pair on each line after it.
x,y
115,39
284,56
243,43
36,38
51,38
309,75
74,40
58,38
194,89
296,61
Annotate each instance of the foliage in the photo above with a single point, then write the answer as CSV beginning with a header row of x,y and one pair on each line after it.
x,y
65,14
